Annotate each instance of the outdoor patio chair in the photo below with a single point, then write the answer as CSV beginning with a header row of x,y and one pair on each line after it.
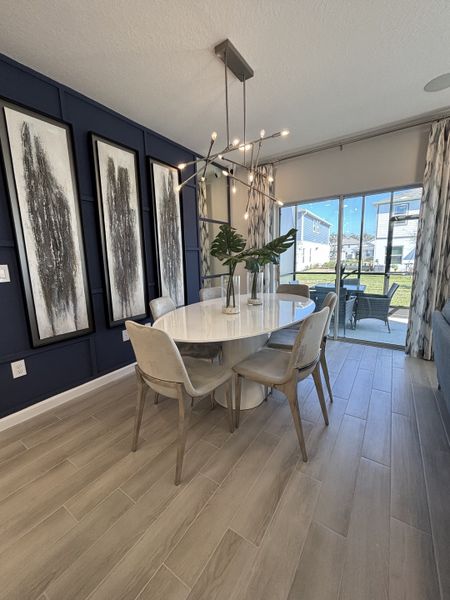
x,y
346,304
375,306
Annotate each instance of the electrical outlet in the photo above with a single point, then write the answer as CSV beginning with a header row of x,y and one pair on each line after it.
x,y
125,336
4,274
18,369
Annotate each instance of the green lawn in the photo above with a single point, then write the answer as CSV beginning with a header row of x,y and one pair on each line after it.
x,y
374,284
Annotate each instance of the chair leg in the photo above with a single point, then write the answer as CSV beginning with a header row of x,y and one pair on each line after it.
x,y
389,327
237,398
184,413
229,397
290,391
139,411
213,400
156,401
319,388
323,362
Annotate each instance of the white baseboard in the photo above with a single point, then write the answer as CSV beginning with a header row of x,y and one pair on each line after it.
x,y
63,397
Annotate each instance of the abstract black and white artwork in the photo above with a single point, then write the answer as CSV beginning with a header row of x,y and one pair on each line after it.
x,y
119,210
41,180
166,198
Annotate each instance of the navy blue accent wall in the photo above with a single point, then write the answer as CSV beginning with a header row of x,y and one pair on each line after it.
x,y
58,367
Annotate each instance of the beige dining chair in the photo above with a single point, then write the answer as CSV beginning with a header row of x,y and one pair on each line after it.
x,y
299,289
209,351
282,370
210,293
284,339
161,368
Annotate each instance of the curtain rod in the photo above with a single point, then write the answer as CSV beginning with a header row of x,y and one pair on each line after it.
x,y
430,118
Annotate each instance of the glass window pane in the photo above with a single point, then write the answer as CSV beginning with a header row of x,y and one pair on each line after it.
x,y
317,227
376,227
351,237
216,188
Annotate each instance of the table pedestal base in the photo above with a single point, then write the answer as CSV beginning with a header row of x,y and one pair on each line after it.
x,y
234,352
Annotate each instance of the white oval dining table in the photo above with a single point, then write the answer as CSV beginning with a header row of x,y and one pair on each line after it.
x,y
241,334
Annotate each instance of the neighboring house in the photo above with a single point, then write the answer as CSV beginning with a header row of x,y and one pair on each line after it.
x,y
404,234
350,249
313,240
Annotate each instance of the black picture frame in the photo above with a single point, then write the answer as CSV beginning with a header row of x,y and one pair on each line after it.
x,y
163,257
31,261
108,257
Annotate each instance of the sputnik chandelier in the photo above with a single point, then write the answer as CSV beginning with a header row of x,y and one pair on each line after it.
x,y
245,171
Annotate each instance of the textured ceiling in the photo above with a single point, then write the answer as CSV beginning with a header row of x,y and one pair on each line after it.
x,y
323,69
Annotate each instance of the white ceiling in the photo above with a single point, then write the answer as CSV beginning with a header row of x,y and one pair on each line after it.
x,y
325,69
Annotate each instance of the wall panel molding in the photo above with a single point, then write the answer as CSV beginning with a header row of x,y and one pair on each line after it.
x,y
61,366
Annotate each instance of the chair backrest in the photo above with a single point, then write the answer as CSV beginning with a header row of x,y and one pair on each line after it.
x,y
161,306
307,346
210,293
299,289
330,302
156,354
394,287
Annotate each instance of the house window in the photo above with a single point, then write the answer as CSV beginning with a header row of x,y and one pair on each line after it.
x,y
400,209
316,226
397,255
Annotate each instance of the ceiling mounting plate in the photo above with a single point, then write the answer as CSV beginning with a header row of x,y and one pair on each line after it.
x,y
234,60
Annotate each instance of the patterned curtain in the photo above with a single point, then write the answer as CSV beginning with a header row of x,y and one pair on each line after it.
x,y
260,219
204,233
432,269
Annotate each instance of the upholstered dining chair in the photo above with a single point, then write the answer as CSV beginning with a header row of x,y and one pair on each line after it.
x,y
210,351
161,368
284,339
282,370
299,289
210,293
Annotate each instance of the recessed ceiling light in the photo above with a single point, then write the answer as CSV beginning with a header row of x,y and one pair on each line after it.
x,y
439,83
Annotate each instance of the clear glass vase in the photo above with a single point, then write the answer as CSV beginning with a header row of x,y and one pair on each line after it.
x,y
231,289
254,287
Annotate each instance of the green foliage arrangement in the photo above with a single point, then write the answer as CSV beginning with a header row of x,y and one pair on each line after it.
x,y
229,247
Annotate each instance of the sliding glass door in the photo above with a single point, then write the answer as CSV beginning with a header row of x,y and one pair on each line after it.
x,y
375,235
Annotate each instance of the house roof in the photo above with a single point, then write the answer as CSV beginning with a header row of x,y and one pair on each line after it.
x,y
305,211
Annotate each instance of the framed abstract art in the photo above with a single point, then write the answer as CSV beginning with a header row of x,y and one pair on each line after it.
x,y
168,230
40,173
119,205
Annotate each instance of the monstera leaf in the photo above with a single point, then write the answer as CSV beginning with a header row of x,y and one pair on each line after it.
x,y
228,245
270,253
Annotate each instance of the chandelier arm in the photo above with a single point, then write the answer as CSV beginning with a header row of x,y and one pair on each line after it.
x,y
207,161
273,198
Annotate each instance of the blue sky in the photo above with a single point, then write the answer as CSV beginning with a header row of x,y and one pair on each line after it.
x,y
328,210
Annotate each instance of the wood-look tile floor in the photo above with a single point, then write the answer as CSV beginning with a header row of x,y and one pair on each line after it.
x,y
367,517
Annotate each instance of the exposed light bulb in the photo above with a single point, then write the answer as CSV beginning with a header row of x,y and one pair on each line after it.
x,y
225,172
235,142
202,178
285,132
280,203
214,136
177,188
246,215
233,189
270,179
243,147
250,177
262,133
220,156
182,166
